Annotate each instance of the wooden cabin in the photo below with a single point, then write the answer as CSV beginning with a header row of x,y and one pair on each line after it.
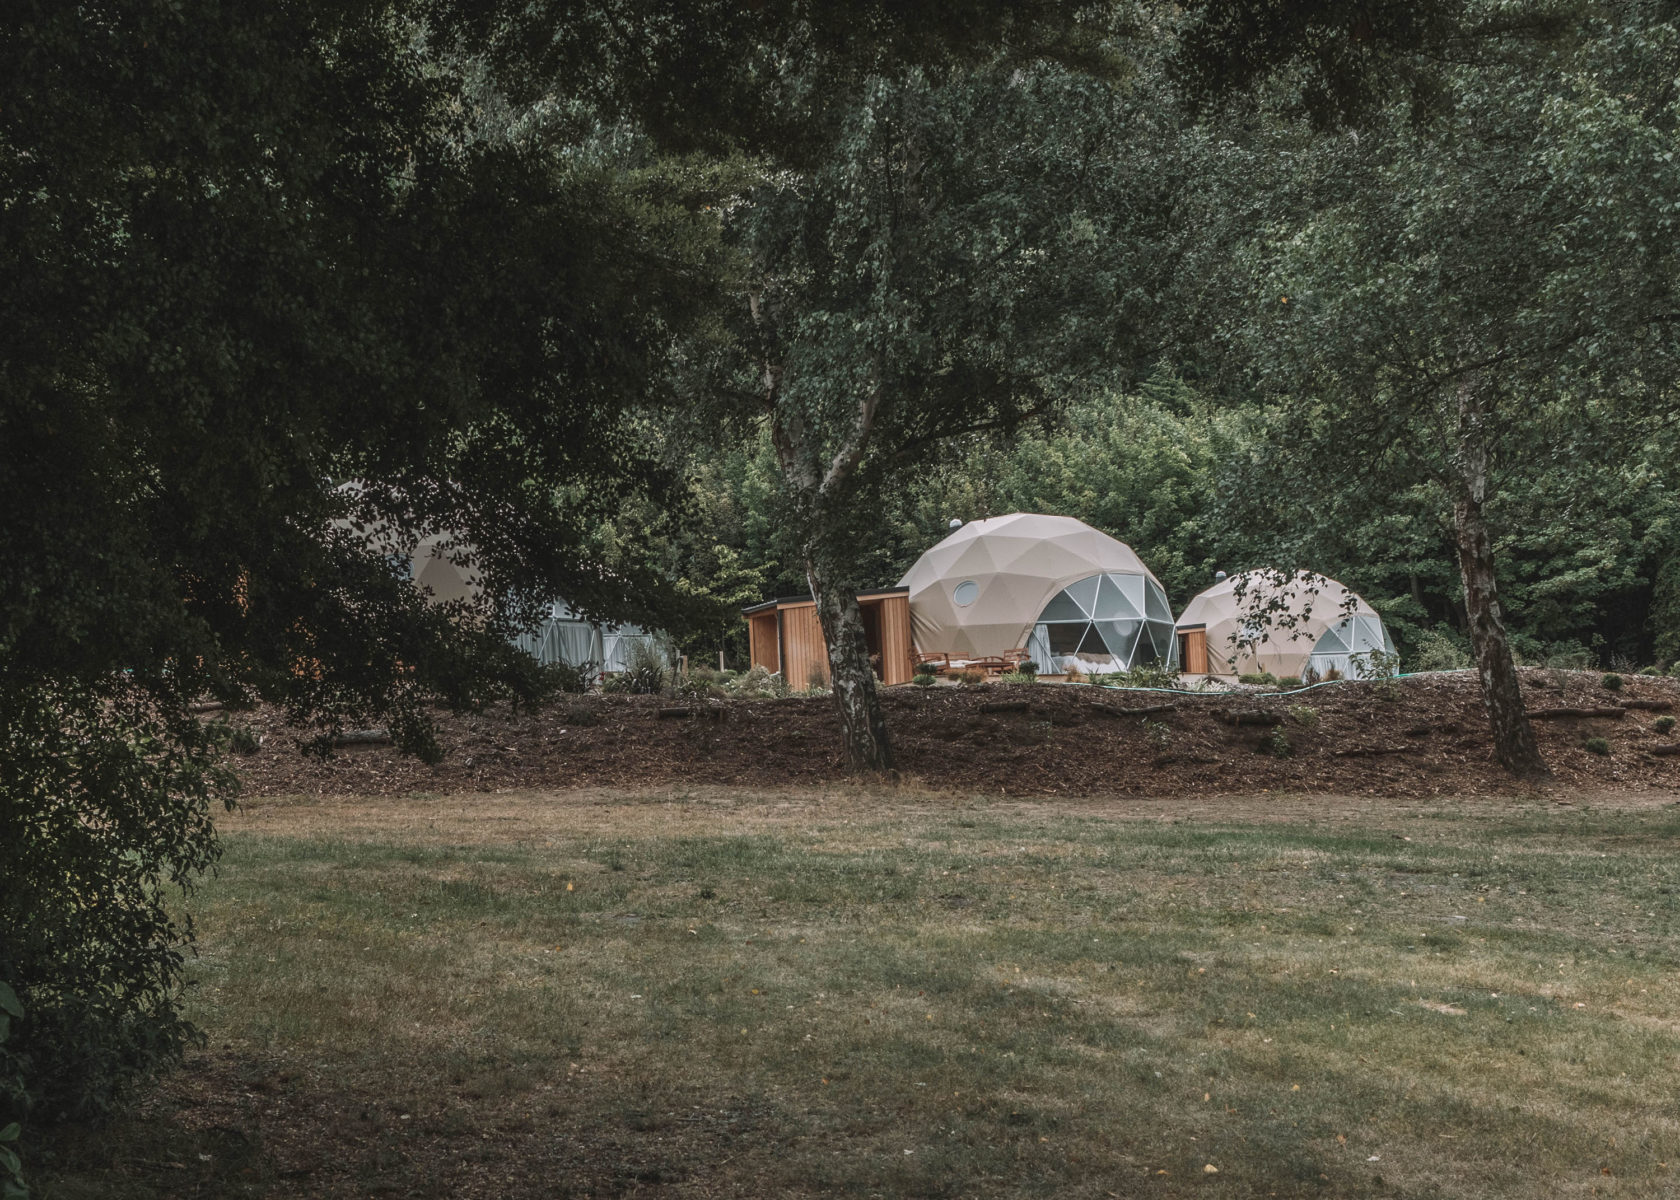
x,y
785,636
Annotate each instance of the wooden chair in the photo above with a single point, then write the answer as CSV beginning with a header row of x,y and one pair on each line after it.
x,y
936,663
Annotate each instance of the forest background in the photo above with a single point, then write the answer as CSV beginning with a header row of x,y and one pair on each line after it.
x,y
1589,549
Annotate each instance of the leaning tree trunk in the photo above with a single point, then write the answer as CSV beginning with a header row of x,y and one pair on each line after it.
x,y
863,725
1513,734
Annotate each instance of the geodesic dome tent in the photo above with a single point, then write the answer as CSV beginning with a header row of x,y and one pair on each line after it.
x,y
1068,594
1287,625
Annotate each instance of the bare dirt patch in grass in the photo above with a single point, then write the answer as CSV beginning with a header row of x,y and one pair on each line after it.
x,y
693,992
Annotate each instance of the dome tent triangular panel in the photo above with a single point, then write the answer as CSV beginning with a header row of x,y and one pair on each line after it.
x,y
1285,624
1037,581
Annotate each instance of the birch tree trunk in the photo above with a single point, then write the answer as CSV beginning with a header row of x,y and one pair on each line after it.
x,y
1514,743
863,725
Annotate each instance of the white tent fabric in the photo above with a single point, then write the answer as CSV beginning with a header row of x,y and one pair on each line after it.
x,y
432,571
1054,585
1285,626
566,637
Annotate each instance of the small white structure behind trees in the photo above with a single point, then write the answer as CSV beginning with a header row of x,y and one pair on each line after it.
x,y
1286,623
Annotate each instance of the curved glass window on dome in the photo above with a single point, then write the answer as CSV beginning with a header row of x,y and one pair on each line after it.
x,y
1109,622
1346,647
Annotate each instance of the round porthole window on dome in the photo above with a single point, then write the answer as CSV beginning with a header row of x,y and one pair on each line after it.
x,y
967,593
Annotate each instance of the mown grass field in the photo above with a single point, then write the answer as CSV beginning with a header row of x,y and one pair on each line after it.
x,y
906,994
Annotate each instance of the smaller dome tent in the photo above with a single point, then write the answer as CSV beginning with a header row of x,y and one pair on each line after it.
x,y
1289,625
1069,594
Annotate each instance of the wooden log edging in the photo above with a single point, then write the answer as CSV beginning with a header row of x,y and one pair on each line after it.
x,y
1553,714
1671,750
1368,751
1254,716
680,711
1648,705
1110,710
362,737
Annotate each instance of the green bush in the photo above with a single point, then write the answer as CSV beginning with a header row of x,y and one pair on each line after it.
x,y
1276,743
924,680
645,670
1650,670
760,683
1304,715
1439,651
1019,677
242,740
1612,681
568,678
1148,675
1663,724
1289,681
105,805
1259,679
12,1185
1596,745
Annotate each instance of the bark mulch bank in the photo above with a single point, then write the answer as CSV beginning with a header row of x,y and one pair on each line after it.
x,y
1420,736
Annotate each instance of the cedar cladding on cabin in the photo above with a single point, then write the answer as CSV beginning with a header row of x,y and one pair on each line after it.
x,y
785,636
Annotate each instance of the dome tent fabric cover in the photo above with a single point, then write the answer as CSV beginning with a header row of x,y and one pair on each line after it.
x,y
1316,624
1068,593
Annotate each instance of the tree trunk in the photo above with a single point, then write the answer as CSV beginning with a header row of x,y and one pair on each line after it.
x,y
863,725
1513,735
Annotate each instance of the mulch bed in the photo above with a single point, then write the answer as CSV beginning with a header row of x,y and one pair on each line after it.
x,y
1419,736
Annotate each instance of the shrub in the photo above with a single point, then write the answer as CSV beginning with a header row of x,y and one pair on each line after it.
x,y
1304,715
1612,681
1289,681
1275,743
1027,667
1149,675
924,680
1650,670
98,777
1596,745
570,679
1019,677
760,683
1258,679
1663,724
972,677
644,671
1568,656
1376,664
1438,651
243,741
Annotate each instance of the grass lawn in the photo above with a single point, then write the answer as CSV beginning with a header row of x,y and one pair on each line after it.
x,y
908,994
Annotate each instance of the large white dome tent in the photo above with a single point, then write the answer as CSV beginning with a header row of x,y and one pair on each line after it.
x,y
1288,624
1069,595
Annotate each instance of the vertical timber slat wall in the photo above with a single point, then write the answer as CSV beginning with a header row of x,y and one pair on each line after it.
x,y
896,651
786,636
763,640
804,655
